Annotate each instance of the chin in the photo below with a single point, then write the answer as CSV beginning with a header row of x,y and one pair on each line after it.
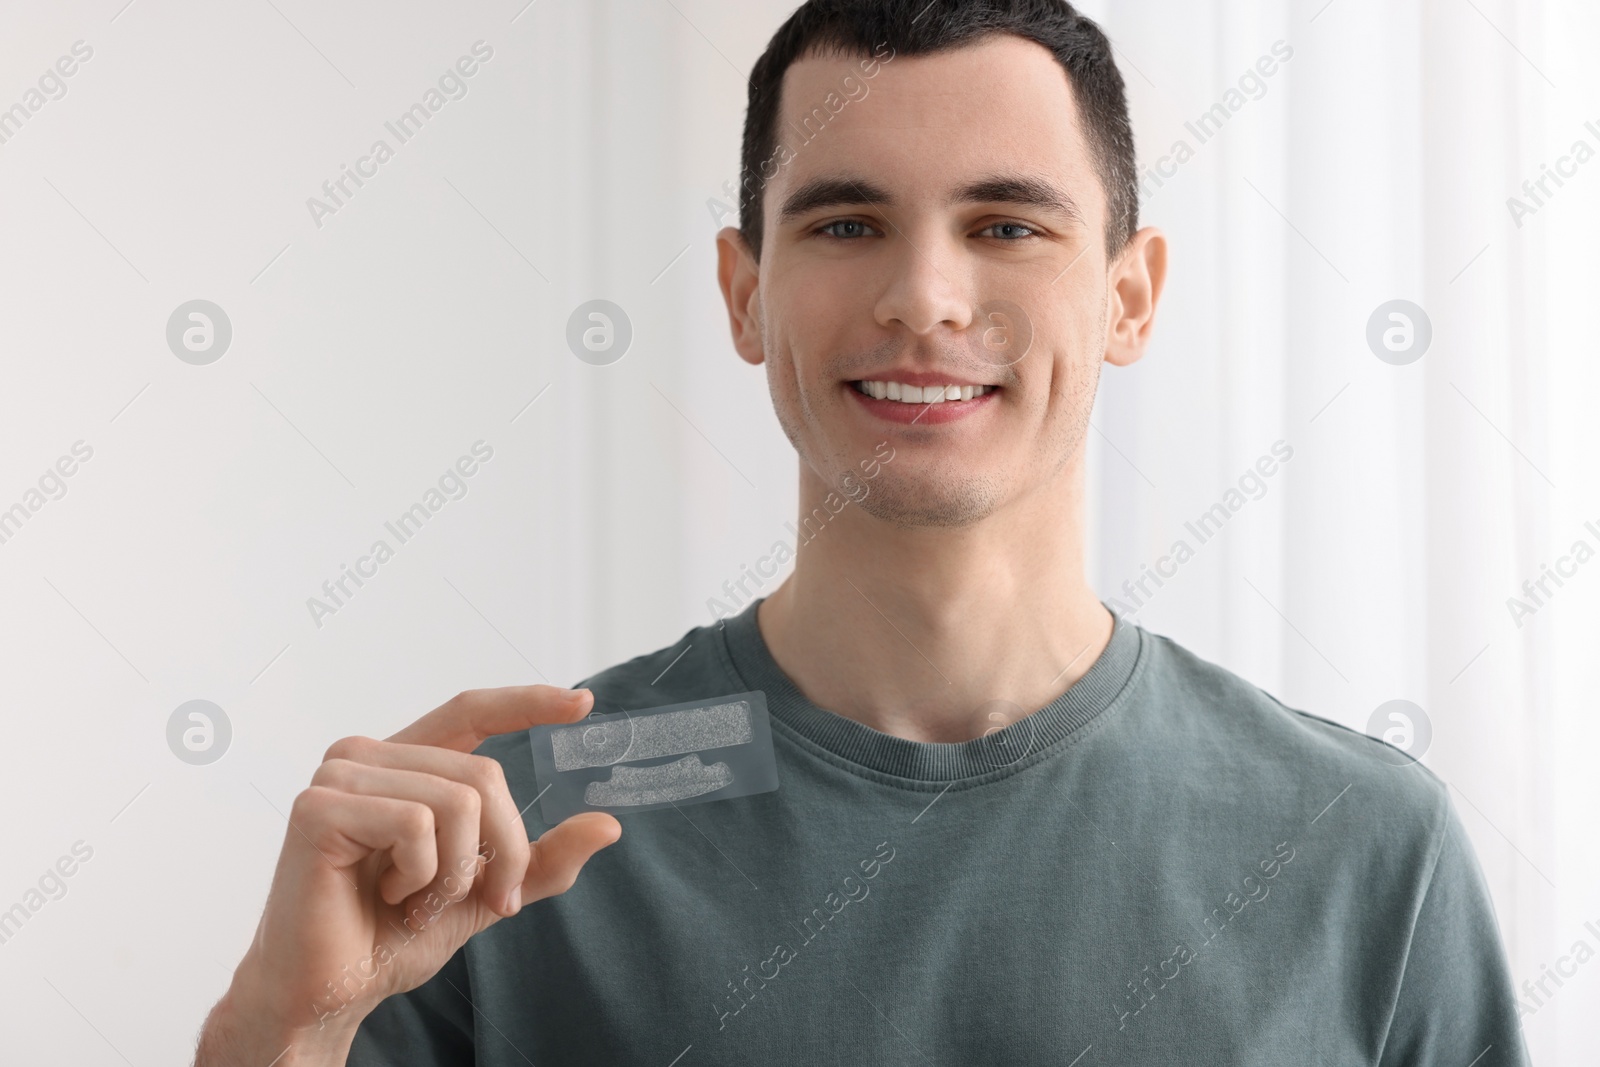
x,y
911,504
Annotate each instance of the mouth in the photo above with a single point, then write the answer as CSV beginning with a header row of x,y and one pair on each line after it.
x,y
931,404
902,393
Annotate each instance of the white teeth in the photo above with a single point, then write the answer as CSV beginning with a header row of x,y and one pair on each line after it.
x,y
912,394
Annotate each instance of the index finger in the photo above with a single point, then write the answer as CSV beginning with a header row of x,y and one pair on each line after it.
x,y
468,719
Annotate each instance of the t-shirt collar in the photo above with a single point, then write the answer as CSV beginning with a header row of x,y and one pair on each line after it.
x,y
1002,751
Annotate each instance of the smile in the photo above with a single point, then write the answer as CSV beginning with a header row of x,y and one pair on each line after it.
x,y
915,394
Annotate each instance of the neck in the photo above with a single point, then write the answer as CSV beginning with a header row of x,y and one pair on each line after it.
x,y
919,632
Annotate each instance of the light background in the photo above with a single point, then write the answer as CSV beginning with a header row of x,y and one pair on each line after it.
x,y
587,161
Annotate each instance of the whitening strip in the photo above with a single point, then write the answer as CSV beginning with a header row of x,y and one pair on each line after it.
x,y
623,761
601,745
633,786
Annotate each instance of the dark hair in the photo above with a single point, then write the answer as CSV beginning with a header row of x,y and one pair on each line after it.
x,y
912,27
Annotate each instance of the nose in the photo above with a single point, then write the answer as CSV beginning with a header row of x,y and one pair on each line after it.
x,y
927,288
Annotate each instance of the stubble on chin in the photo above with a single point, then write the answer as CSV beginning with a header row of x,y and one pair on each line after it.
x,y
948,499
902,502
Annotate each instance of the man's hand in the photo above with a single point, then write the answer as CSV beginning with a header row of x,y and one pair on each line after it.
x,y
397,853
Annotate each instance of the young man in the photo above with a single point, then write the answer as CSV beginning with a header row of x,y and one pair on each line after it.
x,y
1010,827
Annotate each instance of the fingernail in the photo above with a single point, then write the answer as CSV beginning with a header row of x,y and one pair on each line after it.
x,y
514,900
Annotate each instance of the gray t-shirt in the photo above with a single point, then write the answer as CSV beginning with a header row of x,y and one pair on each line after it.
x,y
1163,865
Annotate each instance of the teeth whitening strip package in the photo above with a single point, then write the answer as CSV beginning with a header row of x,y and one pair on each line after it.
x,y
678,754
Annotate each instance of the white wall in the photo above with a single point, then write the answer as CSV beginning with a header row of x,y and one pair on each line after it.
x,y
372,351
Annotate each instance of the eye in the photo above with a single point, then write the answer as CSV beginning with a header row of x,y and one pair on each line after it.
x,y
1010,231
845,229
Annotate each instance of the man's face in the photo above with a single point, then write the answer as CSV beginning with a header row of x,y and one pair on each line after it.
x,y
945,228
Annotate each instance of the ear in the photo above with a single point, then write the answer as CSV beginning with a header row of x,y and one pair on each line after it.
x,y
1136,281
740,277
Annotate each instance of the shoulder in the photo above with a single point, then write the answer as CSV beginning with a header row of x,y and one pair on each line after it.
x,y
1245,739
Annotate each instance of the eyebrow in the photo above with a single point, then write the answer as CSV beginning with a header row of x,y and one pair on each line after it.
x,y
831,192
993,189
1023,191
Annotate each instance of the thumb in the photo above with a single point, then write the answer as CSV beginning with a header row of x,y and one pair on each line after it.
x,y
561,851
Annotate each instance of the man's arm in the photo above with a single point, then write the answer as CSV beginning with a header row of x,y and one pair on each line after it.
x,y
431,1026
398,852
